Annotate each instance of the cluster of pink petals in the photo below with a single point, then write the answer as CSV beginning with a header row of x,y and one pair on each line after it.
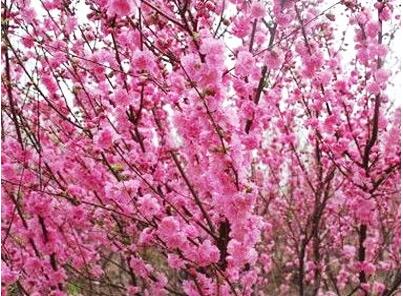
x,y
200,147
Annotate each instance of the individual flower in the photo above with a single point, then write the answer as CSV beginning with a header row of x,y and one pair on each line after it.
x,y
245,63
105,139
258,10
148,206
121,7
121,97
142,60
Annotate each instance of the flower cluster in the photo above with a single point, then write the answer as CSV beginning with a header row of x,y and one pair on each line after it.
x,y
199,147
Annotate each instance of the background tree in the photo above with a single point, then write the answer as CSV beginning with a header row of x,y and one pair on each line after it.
x,y
199,148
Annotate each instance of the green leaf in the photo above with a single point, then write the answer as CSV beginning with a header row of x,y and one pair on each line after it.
x,y
73,289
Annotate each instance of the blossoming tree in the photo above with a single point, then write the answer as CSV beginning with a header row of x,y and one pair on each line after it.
x,y
199,147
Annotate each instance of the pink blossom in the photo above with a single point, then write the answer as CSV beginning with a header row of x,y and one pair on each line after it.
x,y
105,139
132,290
374,88
365,210
245,63
50,84
33,265
242,27
381,76
175,261
149,206
28,41
330,123
385,14
139,267
199,147
273,60
258,10
142,60
211,46
213,49
169,225
56,277
121,7
208,253
8,276
378,287
122,97
372,29
239,252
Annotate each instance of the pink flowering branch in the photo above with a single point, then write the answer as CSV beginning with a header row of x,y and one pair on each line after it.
x,y
199,148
